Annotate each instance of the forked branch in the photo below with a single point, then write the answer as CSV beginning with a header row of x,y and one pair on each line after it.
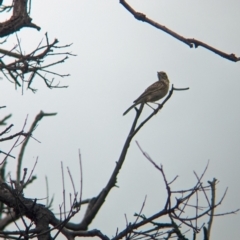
x,y
25,67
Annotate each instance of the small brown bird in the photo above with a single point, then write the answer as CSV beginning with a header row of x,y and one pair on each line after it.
x,y
154,92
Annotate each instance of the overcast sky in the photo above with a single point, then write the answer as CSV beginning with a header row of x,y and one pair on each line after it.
x,y
117,59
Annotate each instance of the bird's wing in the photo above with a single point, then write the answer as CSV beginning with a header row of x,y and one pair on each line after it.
x,y
152,88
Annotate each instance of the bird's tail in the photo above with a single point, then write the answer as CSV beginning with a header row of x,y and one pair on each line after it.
x,y
135,104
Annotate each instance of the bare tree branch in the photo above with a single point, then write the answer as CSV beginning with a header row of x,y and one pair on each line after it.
x,y
24,68
32,128
191,42
19,19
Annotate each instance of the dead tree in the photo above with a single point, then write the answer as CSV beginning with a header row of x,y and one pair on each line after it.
x,y
21,68
16,207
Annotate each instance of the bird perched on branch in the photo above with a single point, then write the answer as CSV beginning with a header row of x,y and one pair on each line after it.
x,y
154,92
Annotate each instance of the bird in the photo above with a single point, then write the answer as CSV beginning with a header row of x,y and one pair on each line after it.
x,y
154,92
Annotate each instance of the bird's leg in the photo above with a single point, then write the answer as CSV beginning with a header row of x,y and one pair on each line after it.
x,y
150,106
159,104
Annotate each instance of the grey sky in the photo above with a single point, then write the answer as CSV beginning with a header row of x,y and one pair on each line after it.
x,y
118,58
